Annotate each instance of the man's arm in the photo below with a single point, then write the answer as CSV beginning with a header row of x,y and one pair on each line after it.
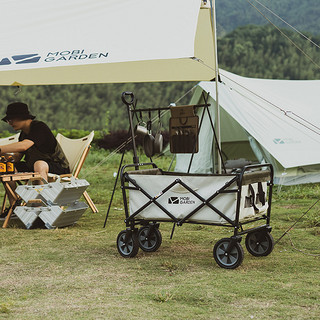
x,y
20,146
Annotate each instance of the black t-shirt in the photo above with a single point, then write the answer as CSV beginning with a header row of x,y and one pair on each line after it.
x,y
41,135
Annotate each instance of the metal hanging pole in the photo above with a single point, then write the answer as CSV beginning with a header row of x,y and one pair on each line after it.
x,y
114,188
130,103
214,31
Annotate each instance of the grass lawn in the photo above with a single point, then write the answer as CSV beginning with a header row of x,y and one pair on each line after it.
x,y
77,272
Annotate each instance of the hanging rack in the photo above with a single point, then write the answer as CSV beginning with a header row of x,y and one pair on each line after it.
x,y
132,110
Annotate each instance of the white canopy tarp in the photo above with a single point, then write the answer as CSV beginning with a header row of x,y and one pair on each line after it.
x,y
101,41
279,120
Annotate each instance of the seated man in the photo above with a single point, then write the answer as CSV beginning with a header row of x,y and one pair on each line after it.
x,y
42,152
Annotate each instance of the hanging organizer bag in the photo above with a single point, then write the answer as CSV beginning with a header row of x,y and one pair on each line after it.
x,y
183,130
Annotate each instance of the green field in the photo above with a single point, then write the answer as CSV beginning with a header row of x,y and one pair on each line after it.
x,y
77,273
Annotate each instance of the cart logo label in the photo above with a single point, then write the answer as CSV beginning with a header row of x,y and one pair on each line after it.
x,y
180,200
173,200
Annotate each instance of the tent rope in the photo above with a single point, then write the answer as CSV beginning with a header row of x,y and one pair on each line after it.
x,y
287,113
290,228
302,251
288,24
288,38
281,32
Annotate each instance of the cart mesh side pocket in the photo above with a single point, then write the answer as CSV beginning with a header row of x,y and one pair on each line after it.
x,y
253,200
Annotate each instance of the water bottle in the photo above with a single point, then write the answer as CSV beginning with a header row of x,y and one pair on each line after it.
x,y
3,165
10,165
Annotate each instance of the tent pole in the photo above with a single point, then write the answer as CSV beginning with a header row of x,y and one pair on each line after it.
x,y
214,31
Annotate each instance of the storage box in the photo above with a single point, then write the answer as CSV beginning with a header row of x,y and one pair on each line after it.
x,y
55,204
59,193
30,192
28,215
55,216
64,193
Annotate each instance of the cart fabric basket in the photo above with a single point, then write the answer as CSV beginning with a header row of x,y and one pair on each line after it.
x,y
180,202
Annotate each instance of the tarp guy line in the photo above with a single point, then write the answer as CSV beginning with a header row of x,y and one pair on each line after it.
x,y
286,113
288,24
292,42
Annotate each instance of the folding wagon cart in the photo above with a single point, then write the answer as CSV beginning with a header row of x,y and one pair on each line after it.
x,y
152,196
229,200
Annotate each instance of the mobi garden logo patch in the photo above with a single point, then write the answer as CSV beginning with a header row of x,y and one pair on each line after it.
x,y
54,56
180,200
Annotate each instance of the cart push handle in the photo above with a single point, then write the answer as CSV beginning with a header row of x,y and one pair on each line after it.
x,y
125,95
256,166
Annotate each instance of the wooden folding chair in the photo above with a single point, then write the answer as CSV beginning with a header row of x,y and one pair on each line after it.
x,y
76,151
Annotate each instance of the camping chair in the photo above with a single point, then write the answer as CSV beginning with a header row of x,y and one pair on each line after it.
x,y
76,151
3,142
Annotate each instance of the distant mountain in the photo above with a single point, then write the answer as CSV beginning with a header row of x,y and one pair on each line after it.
x,y
303,15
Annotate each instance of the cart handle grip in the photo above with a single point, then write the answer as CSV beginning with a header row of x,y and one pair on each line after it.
x,y
255,166
124,100
123,169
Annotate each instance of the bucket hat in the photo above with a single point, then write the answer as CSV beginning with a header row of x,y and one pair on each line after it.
x,y
18,110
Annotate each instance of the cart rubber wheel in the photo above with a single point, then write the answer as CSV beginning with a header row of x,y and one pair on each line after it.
x,y
225,260
149,243
127,244
259,244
